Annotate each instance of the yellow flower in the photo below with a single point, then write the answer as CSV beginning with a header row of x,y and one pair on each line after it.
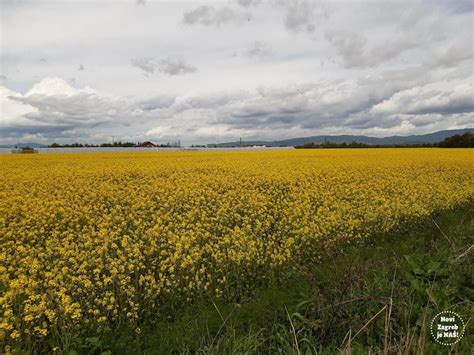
x,y
89,239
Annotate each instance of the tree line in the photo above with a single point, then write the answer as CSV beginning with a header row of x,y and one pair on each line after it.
x,y
457,141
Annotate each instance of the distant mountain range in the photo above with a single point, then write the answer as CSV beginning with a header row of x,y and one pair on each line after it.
x,y
430,138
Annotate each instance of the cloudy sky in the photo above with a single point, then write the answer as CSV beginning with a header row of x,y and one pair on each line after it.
x,y
205,72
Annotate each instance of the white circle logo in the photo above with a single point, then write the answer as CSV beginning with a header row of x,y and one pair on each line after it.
x,y
447,328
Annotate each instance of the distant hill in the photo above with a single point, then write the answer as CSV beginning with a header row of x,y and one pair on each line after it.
x,y
431,138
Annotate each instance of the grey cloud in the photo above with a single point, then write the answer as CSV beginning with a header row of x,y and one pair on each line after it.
x,y
13,3
463,119
451,106
148,64
354,51
41,131
259,50
206,102
3,77
384,84
308,106
424,120
79,109
256,50
210,16
175,67
419,34
433,120
458,6
247,3
364,121
53,107
304,15
168,66
155,103
450,55
81,67
346,103
350,46
299,16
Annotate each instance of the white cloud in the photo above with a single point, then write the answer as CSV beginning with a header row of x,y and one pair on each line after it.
x,y
160,132
430,99
56,87
53,107
12,111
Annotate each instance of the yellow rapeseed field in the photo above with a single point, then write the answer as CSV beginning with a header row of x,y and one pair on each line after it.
x,y
99,239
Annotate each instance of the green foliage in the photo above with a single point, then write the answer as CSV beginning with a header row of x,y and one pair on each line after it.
x,y
355,144
458,141
328,144
120,144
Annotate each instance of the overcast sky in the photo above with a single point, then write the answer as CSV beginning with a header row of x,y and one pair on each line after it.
x,y
205,72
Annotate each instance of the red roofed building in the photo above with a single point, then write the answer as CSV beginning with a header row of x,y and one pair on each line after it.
x,y
147,145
